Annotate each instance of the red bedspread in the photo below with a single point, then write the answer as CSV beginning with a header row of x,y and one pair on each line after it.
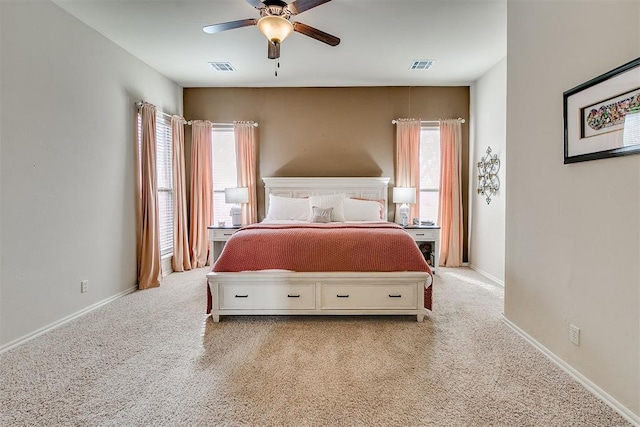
x,y
316,247
321,247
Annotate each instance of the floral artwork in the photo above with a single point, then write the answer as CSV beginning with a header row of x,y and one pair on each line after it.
x,y
599,115
609,115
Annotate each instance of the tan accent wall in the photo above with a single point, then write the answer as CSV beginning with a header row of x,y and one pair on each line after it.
x,y
343,131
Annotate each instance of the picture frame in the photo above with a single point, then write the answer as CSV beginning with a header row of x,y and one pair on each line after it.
x,y
595,112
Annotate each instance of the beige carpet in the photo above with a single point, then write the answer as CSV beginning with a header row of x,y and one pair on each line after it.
x,y
153,359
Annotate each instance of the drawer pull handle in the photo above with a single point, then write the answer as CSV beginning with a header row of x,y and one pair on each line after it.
x,y
293,296
419,234
342,296
395,296
242,296
230,234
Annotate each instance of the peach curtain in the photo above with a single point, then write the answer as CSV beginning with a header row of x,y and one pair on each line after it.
x,y
450,202
246,153
201,192
181,258
407,160
148,246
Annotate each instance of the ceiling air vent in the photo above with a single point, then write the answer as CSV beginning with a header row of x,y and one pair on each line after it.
x,y
222,66
422,64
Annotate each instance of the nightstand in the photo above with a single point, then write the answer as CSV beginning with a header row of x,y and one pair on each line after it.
x,y
218,236
427,234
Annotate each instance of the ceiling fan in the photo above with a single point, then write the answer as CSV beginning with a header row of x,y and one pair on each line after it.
x,y
275,23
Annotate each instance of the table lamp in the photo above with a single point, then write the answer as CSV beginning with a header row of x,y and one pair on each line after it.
x,y
236,196
404,195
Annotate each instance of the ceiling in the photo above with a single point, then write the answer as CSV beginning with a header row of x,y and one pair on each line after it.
x,y
379,41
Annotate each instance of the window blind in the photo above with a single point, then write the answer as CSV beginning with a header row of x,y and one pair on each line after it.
x,y
429,172
164,178
225,173
164,169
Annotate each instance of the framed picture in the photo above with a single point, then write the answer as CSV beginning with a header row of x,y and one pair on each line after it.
x,y
601,116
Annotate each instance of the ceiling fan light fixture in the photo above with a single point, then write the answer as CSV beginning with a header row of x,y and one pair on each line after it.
x,y
275,28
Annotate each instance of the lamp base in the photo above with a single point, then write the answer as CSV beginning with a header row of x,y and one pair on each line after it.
x,y
236,215
404,214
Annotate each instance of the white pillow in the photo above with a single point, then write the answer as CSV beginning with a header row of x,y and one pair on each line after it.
x,y
288,208
362,210
335,201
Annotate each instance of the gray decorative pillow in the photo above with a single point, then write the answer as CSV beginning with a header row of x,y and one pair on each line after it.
x,y
320,215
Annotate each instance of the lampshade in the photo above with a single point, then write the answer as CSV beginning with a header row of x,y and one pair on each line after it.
x,y
631,133
404,195
236,195
275,28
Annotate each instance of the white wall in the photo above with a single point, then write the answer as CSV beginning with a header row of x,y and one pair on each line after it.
x,y
67,164
572,231
1,184
488,129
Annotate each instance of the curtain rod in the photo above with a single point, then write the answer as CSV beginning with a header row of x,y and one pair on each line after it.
x,y
460,119
139,104
189,122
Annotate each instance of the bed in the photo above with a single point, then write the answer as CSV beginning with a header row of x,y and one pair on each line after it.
x,y
354,262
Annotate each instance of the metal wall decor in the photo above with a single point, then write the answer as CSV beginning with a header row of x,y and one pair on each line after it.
x,y
488,181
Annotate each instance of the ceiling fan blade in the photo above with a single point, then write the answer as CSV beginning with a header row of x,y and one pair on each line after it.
x,y
300,6
216,28
314,33
256,3
274,50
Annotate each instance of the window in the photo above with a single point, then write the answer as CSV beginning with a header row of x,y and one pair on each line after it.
x,y
164,171
164,177
224,170
429,172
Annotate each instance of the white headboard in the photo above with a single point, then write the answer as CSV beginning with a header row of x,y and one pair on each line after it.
x,y
375,188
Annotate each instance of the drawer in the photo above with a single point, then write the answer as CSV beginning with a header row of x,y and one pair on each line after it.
x,y
267,296
222,234
421,234
336,296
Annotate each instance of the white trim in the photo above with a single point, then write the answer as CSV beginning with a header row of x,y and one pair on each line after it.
x,y
487,275
64,320
625,412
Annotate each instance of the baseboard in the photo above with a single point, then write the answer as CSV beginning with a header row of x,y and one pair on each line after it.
x,y
487,275
64,320
166,265
586,383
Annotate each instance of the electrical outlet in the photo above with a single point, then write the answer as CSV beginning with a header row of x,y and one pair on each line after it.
x,y
574,334
84,286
